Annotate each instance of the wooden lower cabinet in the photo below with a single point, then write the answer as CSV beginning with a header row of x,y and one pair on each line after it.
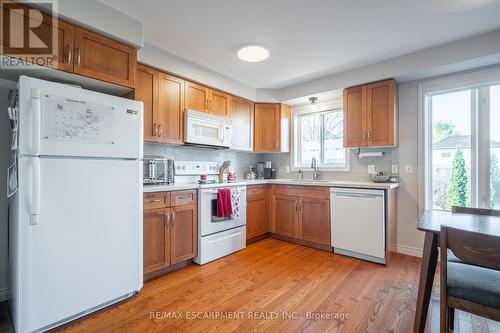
x,y
285,216
156,233
184,224
170,230
257,216
301,213
314,221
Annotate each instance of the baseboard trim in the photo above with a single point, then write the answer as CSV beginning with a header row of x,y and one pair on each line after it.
x,y
4,294
409,250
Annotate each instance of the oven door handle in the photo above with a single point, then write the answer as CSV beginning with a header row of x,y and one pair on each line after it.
x,y
209,191
215,191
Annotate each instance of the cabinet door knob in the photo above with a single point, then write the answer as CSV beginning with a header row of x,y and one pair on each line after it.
x,y
173,215
160,131
369,135
155,130
168,216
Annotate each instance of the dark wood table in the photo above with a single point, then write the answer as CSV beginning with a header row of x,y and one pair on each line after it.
x,y
430,223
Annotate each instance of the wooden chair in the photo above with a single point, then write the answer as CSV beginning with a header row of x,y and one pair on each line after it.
x,y
477,211
471,284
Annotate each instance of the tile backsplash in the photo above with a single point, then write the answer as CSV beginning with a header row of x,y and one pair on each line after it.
x,y
358,166
242,160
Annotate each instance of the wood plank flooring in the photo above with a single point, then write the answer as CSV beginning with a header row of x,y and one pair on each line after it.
x,y
272,286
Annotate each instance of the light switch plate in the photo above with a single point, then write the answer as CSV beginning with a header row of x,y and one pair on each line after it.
x,y
409,168
394,168
287,169
371,168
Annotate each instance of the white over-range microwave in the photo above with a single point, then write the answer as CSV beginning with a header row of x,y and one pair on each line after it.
x,y
207,130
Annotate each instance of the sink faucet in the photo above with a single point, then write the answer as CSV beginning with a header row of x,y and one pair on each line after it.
x,y
314,166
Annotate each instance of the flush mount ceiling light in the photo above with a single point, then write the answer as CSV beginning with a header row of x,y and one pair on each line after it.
x,y
253,53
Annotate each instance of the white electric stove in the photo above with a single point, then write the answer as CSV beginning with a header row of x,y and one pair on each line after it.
x,y
217,237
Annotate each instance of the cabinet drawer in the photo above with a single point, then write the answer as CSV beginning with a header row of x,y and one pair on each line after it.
x,y
256,191
316,192
180,198
156,200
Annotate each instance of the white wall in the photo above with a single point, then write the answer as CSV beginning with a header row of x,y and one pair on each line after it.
x,y
409,239
163,60
5,86
99,17
457,56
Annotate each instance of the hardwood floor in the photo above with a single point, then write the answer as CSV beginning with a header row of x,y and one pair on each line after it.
x,y
269,281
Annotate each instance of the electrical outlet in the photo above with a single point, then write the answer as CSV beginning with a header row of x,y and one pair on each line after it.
x,y
394,168
409,168
287,169
371,168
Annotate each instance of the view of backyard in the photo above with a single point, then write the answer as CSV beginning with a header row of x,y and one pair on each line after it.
x,y
453,151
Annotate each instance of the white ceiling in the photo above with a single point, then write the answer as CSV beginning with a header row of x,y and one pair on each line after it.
x,y
307,38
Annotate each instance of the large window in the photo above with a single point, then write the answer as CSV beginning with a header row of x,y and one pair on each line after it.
x,y
463,147
319,134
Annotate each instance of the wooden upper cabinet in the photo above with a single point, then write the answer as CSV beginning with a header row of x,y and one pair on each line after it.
x,y
104,59
203,99
74,49
49,30
354,117
170,120
380,105
284,216
370,115
163,98
156,234
272,127
196,97
314,224
220,104
242,116
184,233
146,90
65,42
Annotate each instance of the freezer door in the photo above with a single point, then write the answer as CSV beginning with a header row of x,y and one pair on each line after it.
x,y
86,248
61,120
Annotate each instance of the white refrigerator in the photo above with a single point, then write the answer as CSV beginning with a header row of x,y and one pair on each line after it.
x,y
75,228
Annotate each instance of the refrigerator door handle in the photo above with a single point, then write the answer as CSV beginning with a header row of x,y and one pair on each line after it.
x,y
35,194
36,106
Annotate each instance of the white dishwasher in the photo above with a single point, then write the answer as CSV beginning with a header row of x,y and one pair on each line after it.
x,y
358,223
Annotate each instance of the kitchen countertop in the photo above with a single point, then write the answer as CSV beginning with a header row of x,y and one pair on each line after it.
x,y
326,183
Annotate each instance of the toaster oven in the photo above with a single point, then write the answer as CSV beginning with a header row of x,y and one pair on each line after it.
x,y
158,170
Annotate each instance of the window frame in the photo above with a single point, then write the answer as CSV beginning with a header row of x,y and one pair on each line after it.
x,y
323,107
475,79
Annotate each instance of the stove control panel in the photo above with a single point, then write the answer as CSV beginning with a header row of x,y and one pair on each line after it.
x,y
192,168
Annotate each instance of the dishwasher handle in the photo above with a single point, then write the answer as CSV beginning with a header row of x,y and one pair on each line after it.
x,y
357,195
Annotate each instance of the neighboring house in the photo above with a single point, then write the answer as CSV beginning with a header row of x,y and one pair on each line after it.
x,y
443,153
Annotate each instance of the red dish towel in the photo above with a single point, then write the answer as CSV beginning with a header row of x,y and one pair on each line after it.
x,y
224,207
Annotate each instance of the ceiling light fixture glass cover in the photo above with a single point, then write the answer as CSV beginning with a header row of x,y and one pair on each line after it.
x,y
253,53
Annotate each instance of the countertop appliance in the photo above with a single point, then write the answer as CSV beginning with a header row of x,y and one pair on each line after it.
x,y
203,129
76,220
216,237
157,170
358,223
